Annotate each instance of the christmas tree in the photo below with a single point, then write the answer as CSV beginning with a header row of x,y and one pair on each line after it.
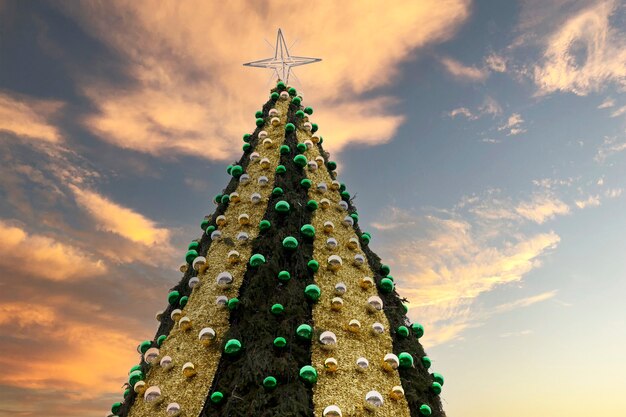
x,y
283,309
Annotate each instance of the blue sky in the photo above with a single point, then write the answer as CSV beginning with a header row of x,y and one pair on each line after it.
x,y
485,142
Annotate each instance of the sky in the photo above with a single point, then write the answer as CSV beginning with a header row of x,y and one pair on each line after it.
x,y
485,142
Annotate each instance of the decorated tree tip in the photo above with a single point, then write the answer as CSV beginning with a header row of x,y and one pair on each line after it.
x,y
264,225
313,265
284,276
386,285
260,122
270,382
304,331
277,309
173,297
290,127
308,374
217,397
308,230
290,243
402,331
306,183
418,329
257,259
280,342
280,86
300,160
232,347
282,206
425,410
312,292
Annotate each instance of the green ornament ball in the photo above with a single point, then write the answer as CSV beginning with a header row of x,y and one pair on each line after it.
x,y
116,407
308,110
246,147
204,224
313,265
277,309
384,269
425,410
270,382
280,85
406,360
312,292
274,96
193,245
258,114
308,374
402,331
277,191
246,137
290,127
236,171
217,397
225,199
284,149
191,255
233,303
290,242
301,147
308,230
296,100
300,160
209,230
161,339
345,195
135,377
260,122
183,301
426,362
284,276
257,259
292,91
418,329
173,297
332,165
304,331
300,114
306,183
436,387
229,168
438,378
134,368
280,342
312,205
264,225
282,206
280,169
386,285
232,347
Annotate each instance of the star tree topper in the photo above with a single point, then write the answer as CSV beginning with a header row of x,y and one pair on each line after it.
x,y
282,61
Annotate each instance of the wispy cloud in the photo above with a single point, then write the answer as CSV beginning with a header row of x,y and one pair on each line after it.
x,y
619,112
585,53
496,63
47,258
29,118
513,125
591,201
609,147
608,102
489,107
463,72
183,98
114,218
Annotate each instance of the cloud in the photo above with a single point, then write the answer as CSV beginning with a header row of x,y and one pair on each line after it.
x,y
445,260
46,257
584,54
462,72
608,102
513,125
111,217
525,302
462,111
185,93
29,118
489,107
591,201
609,147
496,63
619,112
542,207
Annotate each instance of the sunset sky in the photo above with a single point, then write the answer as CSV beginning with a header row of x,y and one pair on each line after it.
x,y
485,142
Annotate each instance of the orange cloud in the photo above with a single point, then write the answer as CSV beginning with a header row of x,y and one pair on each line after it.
x,y
191,95
112,217
463,72
584,53
46,257
28,117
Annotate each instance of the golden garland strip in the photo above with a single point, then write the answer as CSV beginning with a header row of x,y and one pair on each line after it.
x,y
346,387
183,345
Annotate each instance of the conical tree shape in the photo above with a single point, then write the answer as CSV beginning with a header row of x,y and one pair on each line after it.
x,y
283,310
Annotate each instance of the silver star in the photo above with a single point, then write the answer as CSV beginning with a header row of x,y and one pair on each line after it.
x,y
282,61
